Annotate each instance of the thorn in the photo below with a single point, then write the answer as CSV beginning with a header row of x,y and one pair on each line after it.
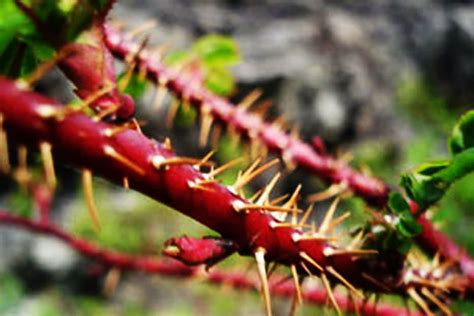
x,y
206,124
355,243
306,214
200,187
144,27
323,228
224,167
263,199
271,208
206,158
260,259
306,257
22,175
333,190
313,236
251,174
250,99
112,131
160,162
167,144
48,164
126,184
291,203
106,112
355,252
420,301
436,301
263,108
111,282
160,96
4,156
111,152
255,196
291,225
108,87
330,293
89,196
173,109
277,200
337,221
215,136
296,282
344,281
255,147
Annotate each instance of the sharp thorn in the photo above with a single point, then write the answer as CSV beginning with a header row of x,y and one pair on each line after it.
x,y
89,196
296,282
354,252
277,200
436,301
306,257
160,96
293,199
260,259
355,243
111,282
330,294
160,162
167,144
224,167
328,217
420,301
206,124
22,175
173,109
4,156
333,190
48,164
251,174
250,99
263,199
337,221
215,136
111,152
306,214
126,184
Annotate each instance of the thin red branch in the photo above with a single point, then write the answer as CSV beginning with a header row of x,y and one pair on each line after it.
x,y
173,268
290,148
249,125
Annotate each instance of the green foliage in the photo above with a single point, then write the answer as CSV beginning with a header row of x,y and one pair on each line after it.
x,y
25,43
11,293
135,87
21,203
429,182
214,54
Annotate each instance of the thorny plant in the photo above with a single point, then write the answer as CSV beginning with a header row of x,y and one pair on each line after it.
x,y
100,135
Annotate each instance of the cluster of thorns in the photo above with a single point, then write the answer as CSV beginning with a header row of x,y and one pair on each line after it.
x,y
274,231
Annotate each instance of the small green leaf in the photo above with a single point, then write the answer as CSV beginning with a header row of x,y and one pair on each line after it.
x,y
408,227
220,81
462,137
397,203
21,204
217,50
136,87
177,57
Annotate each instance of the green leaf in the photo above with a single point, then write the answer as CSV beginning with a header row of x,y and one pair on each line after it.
x,y
21,204
217,50
397,203
177,57
407,225
220,81
462,137
136,87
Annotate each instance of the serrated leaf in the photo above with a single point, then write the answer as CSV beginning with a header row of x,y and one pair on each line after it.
x,y
462,137
220,81
217,50
397,203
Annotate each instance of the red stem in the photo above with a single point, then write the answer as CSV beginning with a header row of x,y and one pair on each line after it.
x,y
250,125
173,268
308,157
31,118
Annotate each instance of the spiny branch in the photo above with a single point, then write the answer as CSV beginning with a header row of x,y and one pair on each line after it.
x,y
293,150
32,119
155,265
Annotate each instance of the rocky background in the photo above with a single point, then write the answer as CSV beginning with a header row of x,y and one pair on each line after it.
x,y
350,71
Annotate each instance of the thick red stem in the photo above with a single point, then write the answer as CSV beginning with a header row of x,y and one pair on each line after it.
x,y
173,268
31,118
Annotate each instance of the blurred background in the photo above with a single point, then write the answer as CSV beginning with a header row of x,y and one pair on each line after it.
x,y
382,80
